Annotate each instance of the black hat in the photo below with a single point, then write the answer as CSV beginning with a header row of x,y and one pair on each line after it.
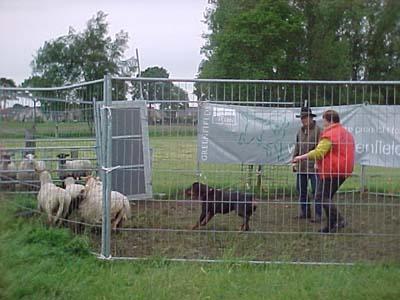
x,y
305,112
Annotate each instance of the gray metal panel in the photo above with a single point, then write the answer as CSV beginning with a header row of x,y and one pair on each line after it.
x,y
127,152
129,181
126,122
130,149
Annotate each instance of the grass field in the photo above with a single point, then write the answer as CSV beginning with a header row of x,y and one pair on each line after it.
x,y
16,129
50,263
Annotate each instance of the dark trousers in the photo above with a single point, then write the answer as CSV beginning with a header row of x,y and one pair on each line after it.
x,y
326,189
302,189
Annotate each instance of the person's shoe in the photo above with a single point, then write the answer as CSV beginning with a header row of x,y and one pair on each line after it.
x,y
333,228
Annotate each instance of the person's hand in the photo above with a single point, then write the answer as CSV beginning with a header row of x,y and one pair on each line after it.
x,y
299,158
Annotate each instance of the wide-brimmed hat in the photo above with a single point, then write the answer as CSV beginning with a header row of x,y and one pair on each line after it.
x,y
305,112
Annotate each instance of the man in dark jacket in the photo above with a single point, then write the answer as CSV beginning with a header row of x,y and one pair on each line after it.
x,y
306,140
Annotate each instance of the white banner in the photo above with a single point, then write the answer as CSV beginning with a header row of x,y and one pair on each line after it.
x,y
265,135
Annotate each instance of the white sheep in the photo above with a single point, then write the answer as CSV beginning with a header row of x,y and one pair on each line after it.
x,y
52,199
26,176
73,168
8,172
77,192
90,209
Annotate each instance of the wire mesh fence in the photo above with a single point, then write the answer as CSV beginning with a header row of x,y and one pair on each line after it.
x,y
164,224
47,129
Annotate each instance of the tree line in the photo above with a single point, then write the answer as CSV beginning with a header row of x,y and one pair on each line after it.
x,y
302,39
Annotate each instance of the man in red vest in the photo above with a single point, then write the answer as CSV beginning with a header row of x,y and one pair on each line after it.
x,y
334,155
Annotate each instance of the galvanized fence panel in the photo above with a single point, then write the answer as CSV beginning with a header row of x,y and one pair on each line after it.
x,y
47,122
163,225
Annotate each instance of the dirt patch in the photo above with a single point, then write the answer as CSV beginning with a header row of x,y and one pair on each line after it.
x,y
162,228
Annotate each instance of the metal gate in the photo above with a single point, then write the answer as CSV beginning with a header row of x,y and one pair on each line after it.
x,y
129,147
161,226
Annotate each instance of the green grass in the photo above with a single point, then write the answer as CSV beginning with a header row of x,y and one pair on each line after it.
x,y
16,129
175,168
49,263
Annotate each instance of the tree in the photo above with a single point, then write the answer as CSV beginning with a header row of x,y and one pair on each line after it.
x,y
383,47
36,81
77,57
161,90
84,56
257,39
299,39
365,38
326,53
154,90
6,82
307,39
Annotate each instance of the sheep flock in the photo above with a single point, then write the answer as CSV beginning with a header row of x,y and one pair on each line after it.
x,y
59,203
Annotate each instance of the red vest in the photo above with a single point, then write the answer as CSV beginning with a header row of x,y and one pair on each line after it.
x,y
339,161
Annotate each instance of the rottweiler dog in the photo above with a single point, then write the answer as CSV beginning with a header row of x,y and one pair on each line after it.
x,y
216,201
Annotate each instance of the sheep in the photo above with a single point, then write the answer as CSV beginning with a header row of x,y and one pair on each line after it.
x,y
8,172
76,191
90,209
52,199
73,168
26,175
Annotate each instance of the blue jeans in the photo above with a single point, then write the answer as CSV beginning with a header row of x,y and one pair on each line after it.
x,y
302,189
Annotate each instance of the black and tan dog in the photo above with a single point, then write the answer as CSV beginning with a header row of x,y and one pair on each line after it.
x,y
215,201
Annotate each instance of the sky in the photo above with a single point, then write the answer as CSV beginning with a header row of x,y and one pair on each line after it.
x,y
167,33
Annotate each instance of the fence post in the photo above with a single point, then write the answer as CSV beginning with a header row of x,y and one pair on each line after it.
x,y
74,154
29,141
34,113
362,179
259,175
106,164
